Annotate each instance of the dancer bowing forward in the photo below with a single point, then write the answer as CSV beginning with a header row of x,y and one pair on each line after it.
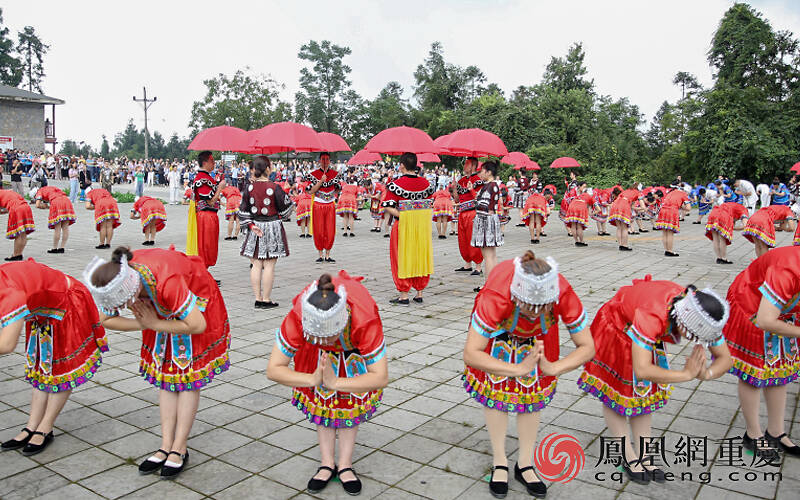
x,y
185,334
720,226
152,215
335,336
63,342
62,214
630,373
512,356
20,221
669,218
763,337
106,214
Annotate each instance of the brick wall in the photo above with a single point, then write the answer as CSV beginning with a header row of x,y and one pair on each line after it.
x,y
25,123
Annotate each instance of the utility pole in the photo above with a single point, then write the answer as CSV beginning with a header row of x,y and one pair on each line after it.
x,y
146,103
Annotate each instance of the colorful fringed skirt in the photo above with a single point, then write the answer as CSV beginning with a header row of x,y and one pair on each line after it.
x,y
153,211
720,222
61,210
347,205
668,219
577,212
20,220
760,227
232,207
443,207
620,212
303,211
106,209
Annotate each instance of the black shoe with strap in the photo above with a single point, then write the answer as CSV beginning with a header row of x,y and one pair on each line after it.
x,y
13,258
351,487
172,471
637,477
775,441
498,489
535,488
15,444
317,485
33,449
149,466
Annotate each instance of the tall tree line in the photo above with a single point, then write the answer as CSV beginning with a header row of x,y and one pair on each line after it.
x,y
22,64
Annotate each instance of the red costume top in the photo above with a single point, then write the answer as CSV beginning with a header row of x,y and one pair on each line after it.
x,y
358,346
327,192
722,218
149,210
466,196
204,187
675,198
761,358
49,193
497,317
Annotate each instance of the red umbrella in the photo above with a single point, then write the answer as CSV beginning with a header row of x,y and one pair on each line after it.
x,y
399,140
222,138
565,162
364,157
532,166
332,142
282,137
796,167
440,141
428,158
518,167
474,142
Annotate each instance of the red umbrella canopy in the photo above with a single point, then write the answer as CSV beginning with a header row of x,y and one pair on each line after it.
x,y
222,138
284,136
474,142
364,157
399,140
565,162
428,158
518,167
532,166
516,158
796,167
332,142
440,141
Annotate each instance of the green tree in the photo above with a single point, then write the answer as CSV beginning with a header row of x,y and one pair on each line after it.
x,y
326,98
686,81
10,67
105,149
243,100
32,51
73,148
567,73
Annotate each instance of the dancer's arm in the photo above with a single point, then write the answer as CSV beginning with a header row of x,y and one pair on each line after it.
x,y
584,351
721,364
9,336
278,371
476,357
644,368
377,377
767,318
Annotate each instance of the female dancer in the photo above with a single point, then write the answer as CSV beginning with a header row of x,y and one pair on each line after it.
x,y
303,211
760,227
347,207
20,221
261,213
600,210
408,199
63,342
577,217
763,337
335,336
375,194
443,208
106,214
535,213
620,215
569,195
486,232
233,198
62,214
153,216
512,356
720,225
185,334
668,221
704,204
630,373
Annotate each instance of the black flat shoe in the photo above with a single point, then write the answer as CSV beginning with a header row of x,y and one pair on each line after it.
x,y
464,269
636,477
441,237
775,441
387,235
519,225
418,300
535,241
268,305
234,238
402,302
625,249
33,449
657,475
542,234
352,235
329,260
13,444
320,260
670,254
170,472
498,489
100,247
150,466
644,230
581,244
475,273
53,250
12,259
696,222
259,304
344,234
317,485
537,489
351,487
477,289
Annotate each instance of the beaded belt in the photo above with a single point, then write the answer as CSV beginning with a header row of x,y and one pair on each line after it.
x,y
467,205
324,197
415,205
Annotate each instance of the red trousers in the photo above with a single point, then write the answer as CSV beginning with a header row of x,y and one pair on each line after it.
x,y
323,219
208,236
468,252
403,284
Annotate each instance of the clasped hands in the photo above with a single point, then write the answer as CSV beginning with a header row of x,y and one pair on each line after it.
x,y
534,359
325,376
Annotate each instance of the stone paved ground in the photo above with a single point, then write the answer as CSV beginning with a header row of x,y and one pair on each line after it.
x,y
428,440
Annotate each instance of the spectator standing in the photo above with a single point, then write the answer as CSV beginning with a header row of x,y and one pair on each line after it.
x,y
73,182
16,178
174,179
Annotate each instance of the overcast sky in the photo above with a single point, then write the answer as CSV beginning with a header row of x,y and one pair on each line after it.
x,y
102,53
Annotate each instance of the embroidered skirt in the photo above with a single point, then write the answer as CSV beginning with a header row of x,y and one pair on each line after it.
x,y
620,212
720,222
760,227
20,220
153,211
443,207
486,231
668,220
106,209
303,211
577,212
62,355
232,207
347,205
509,394
61,210
270,246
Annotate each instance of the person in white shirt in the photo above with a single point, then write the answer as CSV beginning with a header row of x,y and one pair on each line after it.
x,y
174,179
745,189
763,192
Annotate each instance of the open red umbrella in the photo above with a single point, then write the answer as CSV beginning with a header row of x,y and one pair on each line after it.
x,y
532,166
428,158
364,157
565,162
796,167
332,142
440,141
399,140
282,137
518,167
516,158
222,138
473,142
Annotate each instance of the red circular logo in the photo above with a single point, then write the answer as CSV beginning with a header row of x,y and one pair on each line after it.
x,y
559,458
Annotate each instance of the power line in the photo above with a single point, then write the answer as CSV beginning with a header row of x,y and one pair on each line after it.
x,y
146,103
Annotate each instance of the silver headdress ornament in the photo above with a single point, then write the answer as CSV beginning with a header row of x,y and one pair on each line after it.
x,y
119,290
532,289
318,324
700,326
